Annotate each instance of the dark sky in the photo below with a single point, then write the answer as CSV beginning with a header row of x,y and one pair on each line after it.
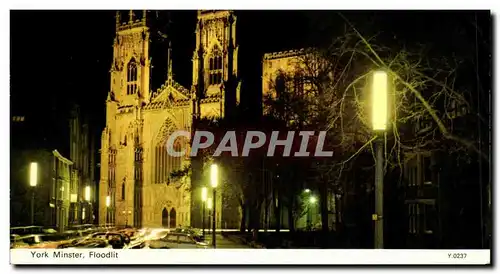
x,y
59,57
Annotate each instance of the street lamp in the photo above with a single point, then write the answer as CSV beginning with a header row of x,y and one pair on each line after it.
x,y
33,182
214,178
379,123
204,194
307,190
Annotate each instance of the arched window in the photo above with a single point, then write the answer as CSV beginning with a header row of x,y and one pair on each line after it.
x,y
215,67
165,164
132,77
123,191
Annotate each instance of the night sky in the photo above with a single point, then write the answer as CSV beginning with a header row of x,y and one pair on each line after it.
x,y
61,57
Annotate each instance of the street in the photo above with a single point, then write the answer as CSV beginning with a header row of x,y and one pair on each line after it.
x,y
223,242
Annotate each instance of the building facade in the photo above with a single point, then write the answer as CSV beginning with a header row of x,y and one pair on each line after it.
x,y
136,184
51,193
83,184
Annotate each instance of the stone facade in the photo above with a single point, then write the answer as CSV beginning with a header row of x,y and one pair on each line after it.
x,y
135,167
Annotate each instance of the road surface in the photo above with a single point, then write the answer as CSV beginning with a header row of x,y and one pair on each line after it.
x,y
223,242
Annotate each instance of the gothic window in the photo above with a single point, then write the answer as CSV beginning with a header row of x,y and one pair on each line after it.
x,y
123,191
165,164
132,77
215,68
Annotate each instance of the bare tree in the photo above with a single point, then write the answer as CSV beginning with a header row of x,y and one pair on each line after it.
x,y
424,108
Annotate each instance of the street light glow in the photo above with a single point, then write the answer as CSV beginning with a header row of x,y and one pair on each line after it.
x,y
312,200
108,201
204,193
209,203
214,174
379,100
307,190
87,193
33,174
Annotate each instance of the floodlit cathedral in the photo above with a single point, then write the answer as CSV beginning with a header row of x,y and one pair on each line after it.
x,y
136,187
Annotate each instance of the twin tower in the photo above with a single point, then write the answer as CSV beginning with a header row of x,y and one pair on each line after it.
x,y
137,186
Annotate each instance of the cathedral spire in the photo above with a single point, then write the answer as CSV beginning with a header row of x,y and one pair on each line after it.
x,y
170,74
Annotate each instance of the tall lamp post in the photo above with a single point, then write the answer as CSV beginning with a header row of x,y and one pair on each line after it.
x,y
379,123
214,177
204,194
33,182
209,207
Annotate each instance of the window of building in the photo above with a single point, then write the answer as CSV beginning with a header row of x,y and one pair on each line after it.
x,y
165,164
132,77
215,68
413,214
123,191
429,217
427,170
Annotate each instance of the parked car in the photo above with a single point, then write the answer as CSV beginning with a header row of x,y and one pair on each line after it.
x,y
43,240
116,240
156,234
27,230
87,243
189,230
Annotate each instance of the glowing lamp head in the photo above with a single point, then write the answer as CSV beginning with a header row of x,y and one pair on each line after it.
x,y
379,100
204,193
87,193
33,174
209,203
307,190
214,175
312,200
108,201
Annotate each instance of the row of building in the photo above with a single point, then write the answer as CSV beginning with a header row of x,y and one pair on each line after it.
x,y
64,193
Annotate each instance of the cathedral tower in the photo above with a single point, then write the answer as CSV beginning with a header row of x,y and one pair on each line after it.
x,y
131,63
215,57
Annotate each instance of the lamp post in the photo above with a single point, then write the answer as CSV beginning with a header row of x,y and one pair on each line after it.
x,y
33,183
214,177
204,193
379,122
209,207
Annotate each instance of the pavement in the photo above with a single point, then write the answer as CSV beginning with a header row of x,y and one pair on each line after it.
x,y
225,243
